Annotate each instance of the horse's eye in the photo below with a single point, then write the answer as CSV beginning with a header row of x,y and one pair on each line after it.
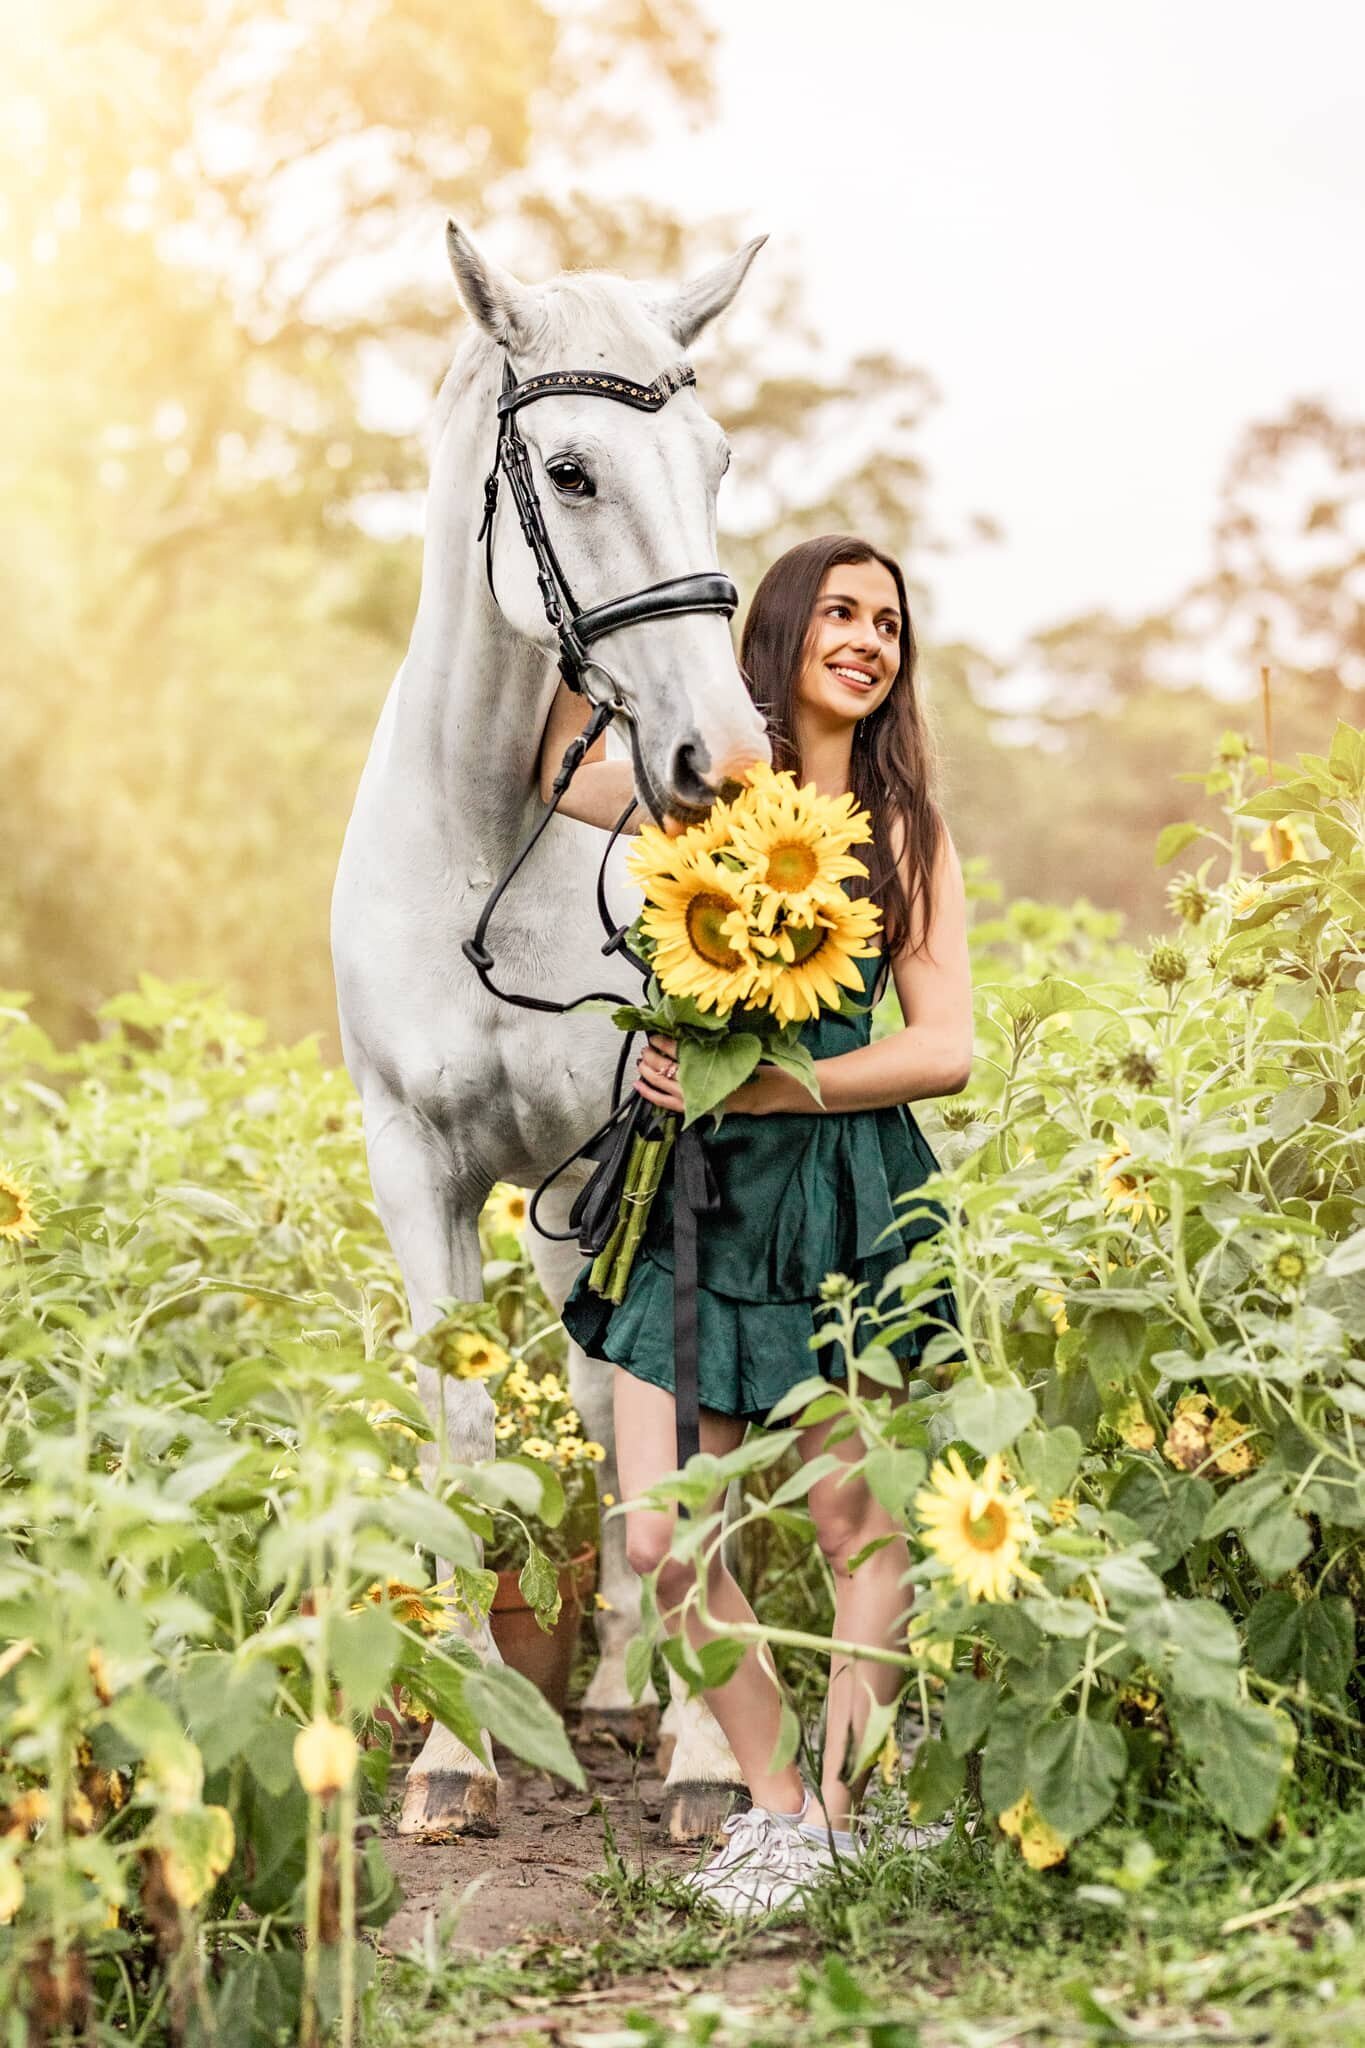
x,y
570,477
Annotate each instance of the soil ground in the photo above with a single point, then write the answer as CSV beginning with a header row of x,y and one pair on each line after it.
x,y
531,1878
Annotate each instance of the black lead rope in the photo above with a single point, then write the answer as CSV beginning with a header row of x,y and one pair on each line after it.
x,y
596,1206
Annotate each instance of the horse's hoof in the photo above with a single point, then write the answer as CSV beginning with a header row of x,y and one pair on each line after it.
x,y
449,1803
696,1810
627,1727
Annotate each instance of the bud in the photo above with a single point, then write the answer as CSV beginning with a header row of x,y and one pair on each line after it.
x,y
1232,747
957,1115
1140,1067
1189,899
836,1287
325,1758
1247,974
1167,965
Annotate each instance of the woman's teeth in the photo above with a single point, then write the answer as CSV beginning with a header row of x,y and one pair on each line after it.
x,y
854,676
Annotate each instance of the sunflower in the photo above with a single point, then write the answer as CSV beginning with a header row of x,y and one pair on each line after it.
x,y
794,845
1122,1191
699,923
16,1208
1055,1304
1280,843
505,1210
1040,1845
470,1356
652,851
977,1527
807,964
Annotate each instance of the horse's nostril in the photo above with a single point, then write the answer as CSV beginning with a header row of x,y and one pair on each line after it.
x,y
690,764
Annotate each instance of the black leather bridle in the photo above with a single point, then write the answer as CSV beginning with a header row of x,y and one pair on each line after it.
x,y
595,1207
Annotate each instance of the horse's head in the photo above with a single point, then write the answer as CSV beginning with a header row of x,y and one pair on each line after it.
x,y
628,498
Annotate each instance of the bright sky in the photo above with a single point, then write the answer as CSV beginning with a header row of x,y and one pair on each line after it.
x,y
1111,234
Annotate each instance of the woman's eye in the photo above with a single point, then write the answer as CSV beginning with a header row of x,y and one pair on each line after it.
x,y
570,477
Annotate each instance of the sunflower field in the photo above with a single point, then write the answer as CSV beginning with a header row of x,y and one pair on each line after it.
x,y
216,1592
1138,1504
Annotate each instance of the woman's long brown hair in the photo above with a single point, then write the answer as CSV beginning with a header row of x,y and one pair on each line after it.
x,y
894,765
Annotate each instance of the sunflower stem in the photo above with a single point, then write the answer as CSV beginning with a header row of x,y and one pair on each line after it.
x,y
600,1277
639,1201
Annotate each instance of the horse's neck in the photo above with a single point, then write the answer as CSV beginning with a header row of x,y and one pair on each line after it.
x,y
472,696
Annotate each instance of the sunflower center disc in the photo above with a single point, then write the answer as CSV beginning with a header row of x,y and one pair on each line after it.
x,y
791,866
806,940
9,1207
989,1529
706,914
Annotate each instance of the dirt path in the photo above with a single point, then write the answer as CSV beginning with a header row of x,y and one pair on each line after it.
x,y
531,1878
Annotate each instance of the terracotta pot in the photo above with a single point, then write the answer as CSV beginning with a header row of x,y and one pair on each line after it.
x,y
543,1656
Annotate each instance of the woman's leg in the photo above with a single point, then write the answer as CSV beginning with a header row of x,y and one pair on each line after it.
x,y
748,1706
870,1606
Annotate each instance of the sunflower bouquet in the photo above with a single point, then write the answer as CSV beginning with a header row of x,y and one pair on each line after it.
x,y
747,933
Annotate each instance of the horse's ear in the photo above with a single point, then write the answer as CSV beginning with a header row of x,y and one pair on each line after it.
x,y
496,301
691,307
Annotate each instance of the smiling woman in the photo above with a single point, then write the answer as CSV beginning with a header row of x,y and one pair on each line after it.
x,y
805,1197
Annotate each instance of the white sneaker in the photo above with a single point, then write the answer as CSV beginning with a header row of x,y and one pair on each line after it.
x,y
746,1835
785,1868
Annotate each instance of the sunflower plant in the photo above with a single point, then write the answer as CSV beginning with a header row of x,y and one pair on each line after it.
x,y
748,933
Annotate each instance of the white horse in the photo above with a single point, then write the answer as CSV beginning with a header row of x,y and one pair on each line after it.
x,y
459,1090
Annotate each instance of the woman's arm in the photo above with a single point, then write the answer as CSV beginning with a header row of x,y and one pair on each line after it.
x,y
599,789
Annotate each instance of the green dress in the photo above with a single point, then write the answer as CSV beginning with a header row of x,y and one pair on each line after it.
x,y
801,1196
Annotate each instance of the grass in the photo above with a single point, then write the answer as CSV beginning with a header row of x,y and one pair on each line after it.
x,y
1178,1933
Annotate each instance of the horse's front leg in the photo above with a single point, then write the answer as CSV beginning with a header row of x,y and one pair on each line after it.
x,y
608,1709
432,1224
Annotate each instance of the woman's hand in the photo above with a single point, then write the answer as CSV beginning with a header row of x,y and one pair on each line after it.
x,y
657,1076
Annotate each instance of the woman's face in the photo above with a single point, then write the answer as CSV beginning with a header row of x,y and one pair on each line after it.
x,y
853,648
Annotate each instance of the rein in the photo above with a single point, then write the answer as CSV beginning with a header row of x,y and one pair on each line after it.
x,y
595,1207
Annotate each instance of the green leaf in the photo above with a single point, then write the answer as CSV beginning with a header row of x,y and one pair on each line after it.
x,y
1049,1460
1173,839
1240,1755
522,1719
1169,1507
710,1070
934,1780
788,1739
893,1476
720,1659
969,1705
875,1362
538,1582
881,1720
1075,1768
1205,1655
1004,1760
989,1418
1309,1642
226,1702
1277,1540
364,1649
798,1060
639,1665
804,1477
